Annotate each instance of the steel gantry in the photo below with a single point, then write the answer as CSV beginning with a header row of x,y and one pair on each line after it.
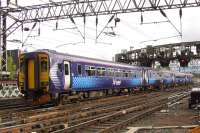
x,y
80,8
184,53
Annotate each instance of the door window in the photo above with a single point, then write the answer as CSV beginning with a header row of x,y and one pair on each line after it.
x,y
66,69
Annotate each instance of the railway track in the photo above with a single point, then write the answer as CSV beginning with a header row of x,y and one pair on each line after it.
x,y
25,111
57,113
68,117
118,120
12,103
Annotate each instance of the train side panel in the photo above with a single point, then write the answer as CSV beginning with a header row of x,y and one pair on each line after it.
x,y
152,78
85,77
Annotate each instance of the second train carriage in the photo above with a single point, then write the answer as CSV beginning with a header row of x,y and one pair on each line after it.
x,y
171,78
47,73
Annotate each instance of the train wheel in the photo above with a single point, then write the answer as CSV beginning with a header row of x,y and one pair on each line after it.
x,y
86,95
129,91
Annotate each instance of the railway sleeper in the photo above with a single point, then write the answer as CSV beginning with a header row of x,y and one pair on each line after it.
x,y
46,125
101,120
43,124
46,116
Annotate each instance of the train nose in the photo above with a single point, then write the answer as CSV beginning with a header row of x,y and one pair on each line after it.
x,y
30,80
27,74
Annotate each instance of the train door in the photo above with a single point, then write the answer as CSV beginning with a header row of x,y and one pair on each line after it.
x,y
44,72
173,78
28,73
145,77
67,75
31,74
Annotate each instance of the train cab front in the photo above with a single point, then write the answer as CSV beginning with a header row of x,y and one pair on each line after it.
x,y
33,78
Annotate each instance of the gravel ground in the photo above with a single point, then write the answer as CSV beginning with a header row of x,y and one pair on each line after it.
x,y
178,115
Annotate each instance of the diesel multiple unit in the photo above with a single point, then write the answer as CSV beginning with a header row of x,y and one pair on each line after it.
x,y
47,74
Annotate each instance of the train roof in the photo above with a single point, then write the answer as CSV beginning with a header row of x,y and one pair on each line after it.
x,y
77,58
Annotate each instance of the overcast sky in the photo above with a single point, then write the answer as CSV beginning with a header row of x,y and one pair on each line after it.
x,y
129,32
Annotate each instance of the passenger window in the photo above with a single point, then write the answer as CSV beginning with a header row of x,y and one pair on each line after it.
x,y
108,72
43,66
60,67
87,70
118,73
130,74
112,72
126,74
79,69
101,71
150,74
98,71
133,74
66,69
123,73
90,70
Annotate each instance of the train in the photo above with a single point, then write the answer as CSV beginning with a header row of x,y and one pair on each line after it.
x,y
47,75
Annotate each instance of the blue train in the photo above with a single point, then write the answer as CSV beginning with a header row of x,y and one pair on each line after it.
x,y
45,75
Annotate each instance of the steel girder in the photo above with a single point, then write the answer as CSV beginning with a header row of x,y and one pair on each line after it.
x,y
80,8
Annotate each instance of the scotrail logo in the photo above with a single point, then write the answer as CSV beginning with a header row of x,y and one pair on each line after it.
x,y
116,82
